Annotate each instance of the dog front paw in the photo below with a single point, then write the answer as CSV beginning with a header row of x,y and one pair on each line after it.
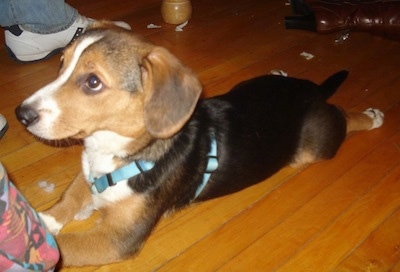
x,y
376,115
51,223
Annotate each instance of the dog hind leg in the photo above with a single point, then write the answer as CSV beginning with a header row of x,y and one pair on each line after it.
x,y
367,120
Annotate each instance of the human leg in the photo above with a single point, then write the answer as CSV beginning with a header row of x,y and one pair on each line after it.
x,y
37,16
38,29
26,46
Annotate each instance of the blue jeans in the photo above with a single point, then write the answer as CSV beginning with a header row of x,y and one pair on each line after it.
x,y
38,16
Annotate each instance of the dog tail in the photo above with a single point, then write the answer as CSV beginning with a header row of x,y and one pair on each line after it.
x,y
332,83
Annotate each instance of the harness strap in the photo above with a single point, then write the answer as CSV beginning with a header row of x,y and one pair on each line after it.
x,y
135,168
212,165
100,184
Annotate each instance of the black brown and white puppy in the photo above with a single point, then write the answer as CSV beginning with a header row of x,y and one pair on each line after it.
x,y
137,108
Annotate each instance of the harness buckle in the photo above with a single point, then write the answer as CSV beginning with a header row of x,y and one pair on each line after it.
x,y
110,180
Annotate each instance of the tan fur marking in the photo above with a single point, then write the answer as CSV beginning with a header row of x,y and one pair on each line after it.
x,y
303,159
358,122
98,110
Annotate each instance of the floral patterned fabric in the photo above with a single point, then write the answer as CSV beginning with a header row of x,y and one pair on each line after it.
x,y
25,244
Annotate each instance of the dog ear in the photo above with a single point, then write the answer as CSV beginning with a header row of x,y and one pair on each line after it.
x,y
171,93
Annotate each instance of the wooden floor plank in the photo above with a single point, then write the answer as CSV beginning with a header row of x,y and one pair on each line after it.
x,y
287,222
379,252
352,227
301,227
396,267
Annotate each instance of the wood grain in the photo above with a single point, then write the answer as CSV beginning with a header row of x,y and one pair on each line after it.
x,y
338,215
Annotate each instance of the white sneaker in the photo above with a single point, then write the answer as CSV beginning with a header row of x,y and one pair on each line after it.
x,y
3,125
26,46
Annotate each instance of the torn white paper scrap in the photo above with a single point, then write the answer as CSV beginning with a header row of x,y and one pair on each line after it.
x,y
306,55
150,26
46,186
181,26
278,73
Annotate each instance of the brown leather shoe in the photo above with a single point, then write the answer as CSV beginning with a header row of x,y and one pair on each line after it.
x,y
380,18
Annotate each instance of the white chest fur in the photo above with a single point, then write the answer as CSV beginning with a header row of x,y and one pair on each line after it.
x,y
98,159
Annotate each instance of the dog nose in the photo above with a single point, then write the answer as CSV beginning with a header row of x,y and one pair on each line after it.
x,y
26,115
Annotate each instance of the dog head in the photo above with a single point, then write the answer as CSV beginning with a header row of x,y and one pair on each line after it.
x,y
112,80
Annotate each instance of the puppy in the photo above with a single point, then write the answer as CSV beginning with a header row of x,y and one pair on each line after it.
x,y
152,147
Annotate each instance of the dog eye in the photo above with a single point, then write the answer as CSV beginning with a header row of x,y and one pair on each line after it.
x,y
93,83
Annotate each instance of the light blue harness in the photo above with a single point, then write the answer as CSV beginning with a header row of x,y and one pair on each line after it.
x,y
101,184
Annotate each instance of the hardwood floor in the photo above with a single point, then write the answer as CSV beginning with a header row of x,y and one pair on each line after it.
x,y
338,215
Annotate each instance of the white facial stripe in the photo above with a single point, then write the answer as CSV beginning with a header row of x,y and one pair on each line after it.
x,y
43,100
47,90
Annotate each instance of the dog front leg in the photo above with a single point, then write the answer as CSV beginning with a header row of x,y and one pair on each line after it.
x,y
120,233
74,200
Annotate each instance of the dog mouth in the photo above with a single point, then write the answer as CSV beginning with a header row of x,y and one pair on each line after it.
x,y
47,136
45,124
79,135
